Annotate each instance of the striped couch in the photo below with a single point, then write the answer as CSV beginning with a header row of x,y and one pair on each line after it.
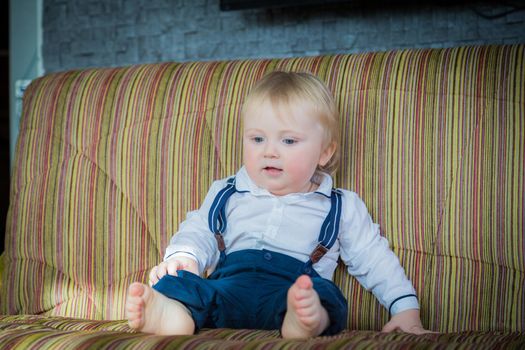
x,y
109,160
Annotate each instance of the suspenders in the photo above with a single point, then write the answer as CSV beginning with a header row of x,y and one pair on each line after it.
x,y
329,230
217,215
327,236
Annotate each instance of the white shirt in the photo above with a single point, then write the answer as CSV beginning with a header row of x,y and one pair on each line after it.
x,y
257,219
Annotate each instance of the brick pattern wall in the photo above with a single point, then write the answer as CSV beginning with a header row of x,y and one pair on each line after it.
x,y
86,33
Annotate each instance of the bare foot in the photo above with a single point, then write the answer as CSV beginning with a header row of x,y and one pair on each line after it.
x,y
151,312
305,316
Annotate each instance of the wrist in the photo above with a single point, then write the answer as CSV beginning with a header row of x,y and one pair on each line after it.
x,y
403,303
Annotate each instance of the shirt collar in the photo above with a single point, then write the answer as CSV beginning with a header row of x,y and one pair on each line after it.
x,y
243,183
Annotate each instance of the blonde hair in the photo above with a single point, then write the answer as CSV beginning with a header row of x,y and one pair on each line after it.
x,y
284,89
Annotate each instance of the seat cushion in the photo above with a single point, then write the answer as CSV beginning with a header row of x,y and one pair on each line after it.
x,y
37,332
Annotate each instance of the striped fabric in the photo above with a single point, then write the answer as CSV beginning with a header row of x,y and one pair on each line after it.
x,y
108,162
56,333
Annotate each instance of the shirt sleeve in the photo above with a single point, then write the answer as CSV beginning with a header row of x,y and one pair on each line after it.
x,y
370,260
194,239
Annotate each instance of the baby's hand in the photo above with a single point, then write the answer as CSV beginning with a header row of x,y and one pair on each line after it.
x,y
406,321
171,266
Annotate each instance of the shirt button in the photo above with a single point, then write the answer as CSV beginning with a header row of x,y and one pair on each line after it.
x,y
268,256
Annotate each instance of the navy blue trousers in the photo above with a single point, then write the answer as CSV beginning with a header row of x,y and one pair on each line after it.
x,y
249,290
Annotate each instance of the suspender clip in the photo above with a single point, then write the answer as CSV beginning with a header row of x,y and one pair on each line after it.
x,y
220,242
318,253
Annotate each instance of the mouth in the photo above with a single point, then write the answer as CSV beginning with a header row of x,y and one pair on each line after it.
x,y
272,170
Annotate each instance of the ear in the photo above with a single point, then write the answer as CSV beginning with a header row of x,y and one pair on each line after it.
x,y
327,154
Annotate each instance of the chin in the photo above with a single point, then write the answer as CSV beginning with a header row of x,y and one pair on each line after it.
x,y
279,192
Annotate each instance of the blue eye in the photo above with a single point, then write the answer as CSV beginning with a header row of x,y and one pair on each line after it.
x,y
289,141
257,139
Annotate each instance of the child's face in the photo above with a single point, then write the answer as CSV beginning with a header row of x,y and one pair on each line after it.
x,y
281,154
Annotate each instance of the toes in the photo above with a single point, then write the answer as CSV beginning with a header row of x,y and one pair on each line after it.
x,y
301,301
305,316
134,323
306,311
302,288
302,297
134,307
136,289
304,282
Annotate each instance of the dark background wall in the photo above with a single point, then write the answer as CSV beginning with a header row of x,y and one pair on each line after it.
x,y
84,33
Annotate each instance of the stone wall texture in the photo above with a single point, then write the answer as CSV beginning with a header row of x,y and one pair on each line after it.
x,y
88,33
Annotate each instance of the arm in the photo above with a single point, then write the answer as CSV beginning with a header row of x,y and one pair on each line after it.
x,y
369,258
194,242
194,247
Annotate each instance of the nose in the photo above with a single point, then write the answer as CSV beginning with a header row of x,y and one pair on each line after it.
x,y
270,151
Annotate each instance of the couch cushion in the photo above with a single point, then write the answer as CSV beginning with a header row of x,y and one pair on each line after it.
x,y
108,162
37,332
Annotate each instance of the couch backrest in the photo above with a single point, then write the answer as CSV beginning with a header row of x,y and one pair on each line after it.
x,y
108,161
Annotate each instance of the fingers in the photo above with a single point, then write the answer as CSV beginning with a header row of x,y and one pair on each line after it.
x,y
416,329
420,330
172,267
153,276
169,267
161,271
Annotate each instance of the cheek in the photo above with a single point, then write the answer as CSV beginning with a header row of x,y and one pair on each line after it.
x,y
303,162
247,150
248,156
